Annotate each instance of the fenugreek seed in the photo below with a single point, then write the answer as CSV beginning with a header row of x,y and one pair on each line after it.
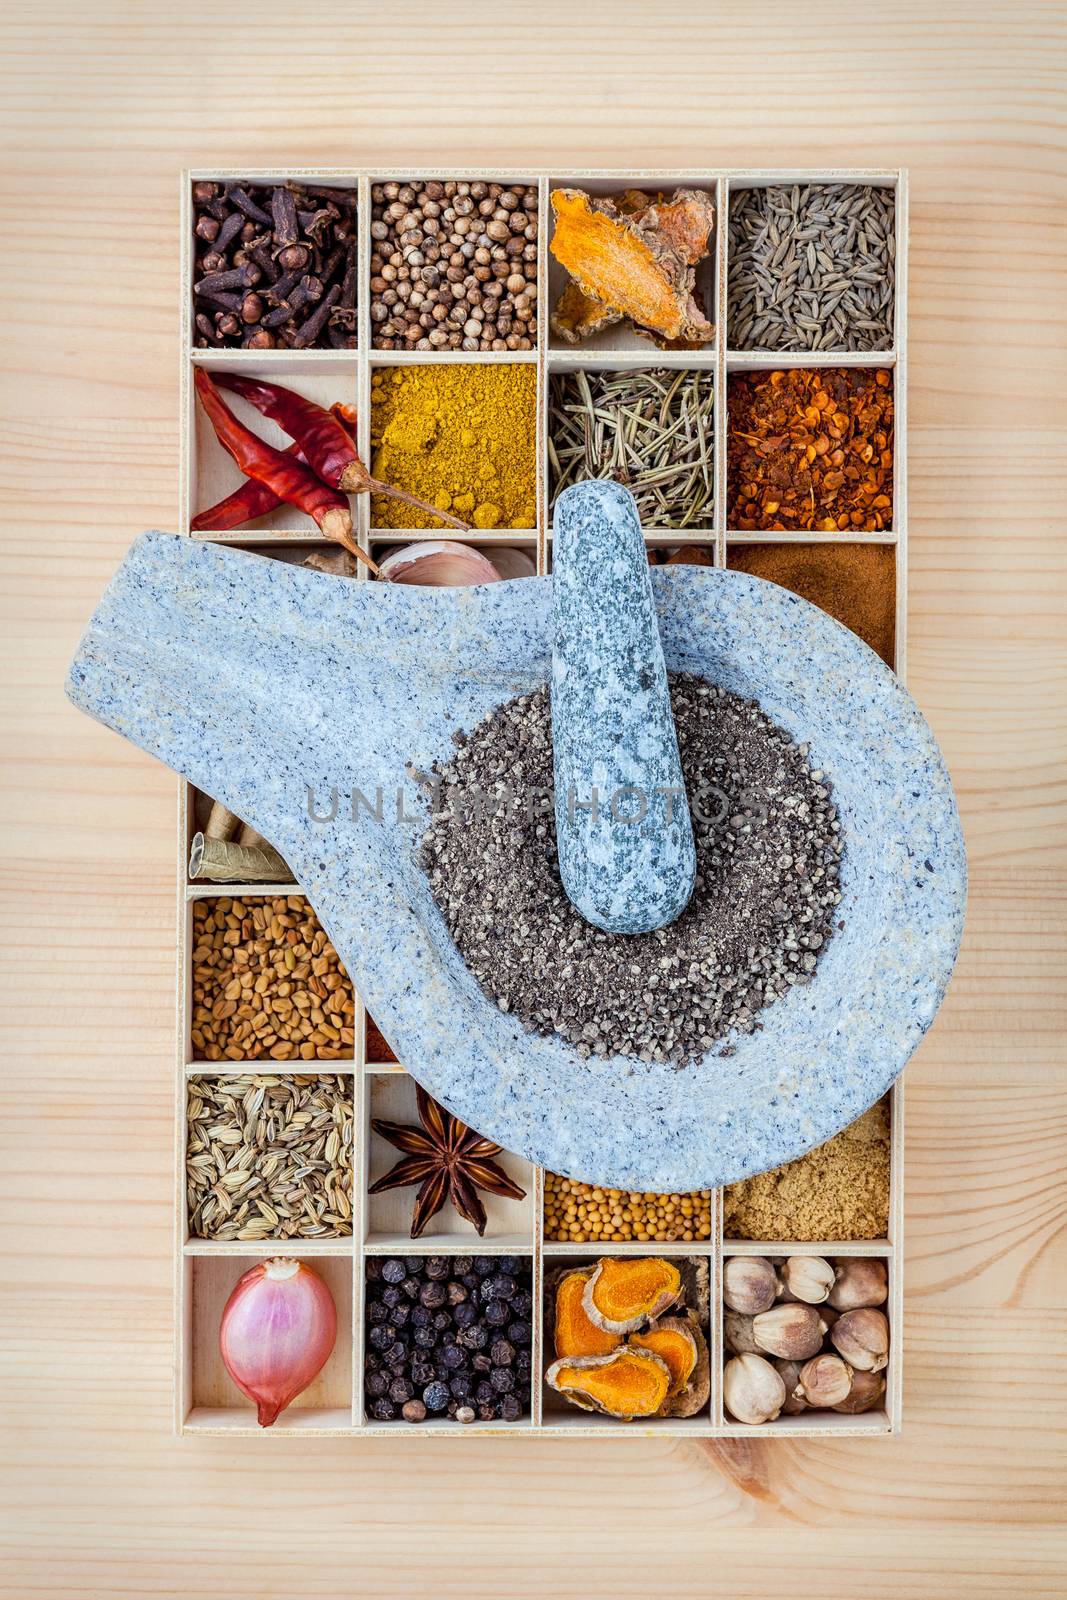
x,y
239,1011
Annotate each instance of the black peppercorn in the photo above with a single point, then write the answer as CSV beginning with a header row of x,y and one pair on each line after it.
x,y
435,1397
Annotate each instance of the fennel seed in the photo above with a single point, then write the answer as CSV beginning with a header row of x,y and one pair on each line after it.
x,y
269,1156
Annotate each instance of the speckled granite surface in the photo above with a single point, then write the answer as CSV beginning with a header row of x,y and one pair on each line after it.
x,y
257,679
625,841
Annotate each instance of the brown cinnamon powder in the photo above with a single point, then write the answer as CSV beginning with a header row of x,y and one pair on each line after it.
x,y
838,1191
856,583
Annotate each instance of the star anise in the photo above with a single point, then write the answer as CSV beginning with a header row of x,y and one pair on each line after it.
x,y
450,1162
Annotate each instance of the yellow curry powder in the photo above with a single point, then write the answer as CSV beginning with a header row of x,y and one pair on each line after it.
x,y
459,436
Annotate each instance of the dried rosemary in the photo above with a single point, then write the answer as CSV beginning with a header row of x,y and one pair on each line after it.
x,y
650,430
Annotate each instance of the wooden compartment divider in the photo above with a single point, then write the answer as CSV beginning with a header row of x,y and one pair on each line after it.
x,y
205,1400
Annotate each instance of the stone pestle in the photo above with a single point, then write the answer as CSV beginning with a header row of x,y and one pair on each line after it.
x,y
624,836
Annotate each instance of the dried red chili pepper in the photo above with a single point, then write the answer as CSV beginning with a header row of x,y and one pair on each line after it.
x,y
255,499
328,448
290,479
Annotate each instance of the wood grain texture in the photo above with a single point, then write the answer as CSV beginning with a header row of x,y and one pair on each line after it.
x,y
101,107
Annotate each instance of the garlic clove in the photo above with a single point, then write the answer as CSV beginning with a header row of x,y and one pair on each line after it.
x,y
751,1389
437,564
808,1278
748,1284
789,1372
825,1380
861,1281
792,1331
862,1337
737,1333
509,562
866,1392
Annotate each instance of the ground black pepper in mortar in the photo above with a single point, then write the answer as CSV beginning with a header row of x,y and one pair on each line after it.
x,y
768,846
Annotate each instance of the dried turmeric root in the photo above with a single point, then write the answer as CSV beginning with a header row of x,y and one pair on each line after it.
x,y
637,264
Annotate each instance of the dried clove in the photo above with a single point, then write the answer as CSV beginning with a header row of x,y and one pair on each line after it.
x,y
280,260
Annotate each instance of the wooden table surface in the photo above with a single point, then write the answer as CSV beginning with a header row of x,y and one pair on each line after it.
x,y
102,105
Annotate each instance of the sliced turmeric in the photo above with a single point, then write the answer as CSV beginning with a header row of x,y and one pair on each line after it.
x,y
685,221
624,1292
578,316
624,262
625,1384
680,1342
574,1334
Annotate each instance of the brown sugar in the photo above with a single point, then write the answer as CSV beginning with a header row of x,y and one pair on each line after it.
x,y
838,1191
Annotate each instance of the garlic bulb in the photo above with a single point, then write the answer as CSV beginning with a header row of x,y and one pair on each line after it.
x,y
825,1381
808,1278
860,1281
866,1392
751,1389
737,1333
862,1337
792,1331
748,1284
509,562
437,564
789,1372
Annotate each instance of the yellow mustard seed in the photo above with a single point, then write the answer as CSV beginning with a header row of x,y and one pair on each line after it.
x,y
580,1213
